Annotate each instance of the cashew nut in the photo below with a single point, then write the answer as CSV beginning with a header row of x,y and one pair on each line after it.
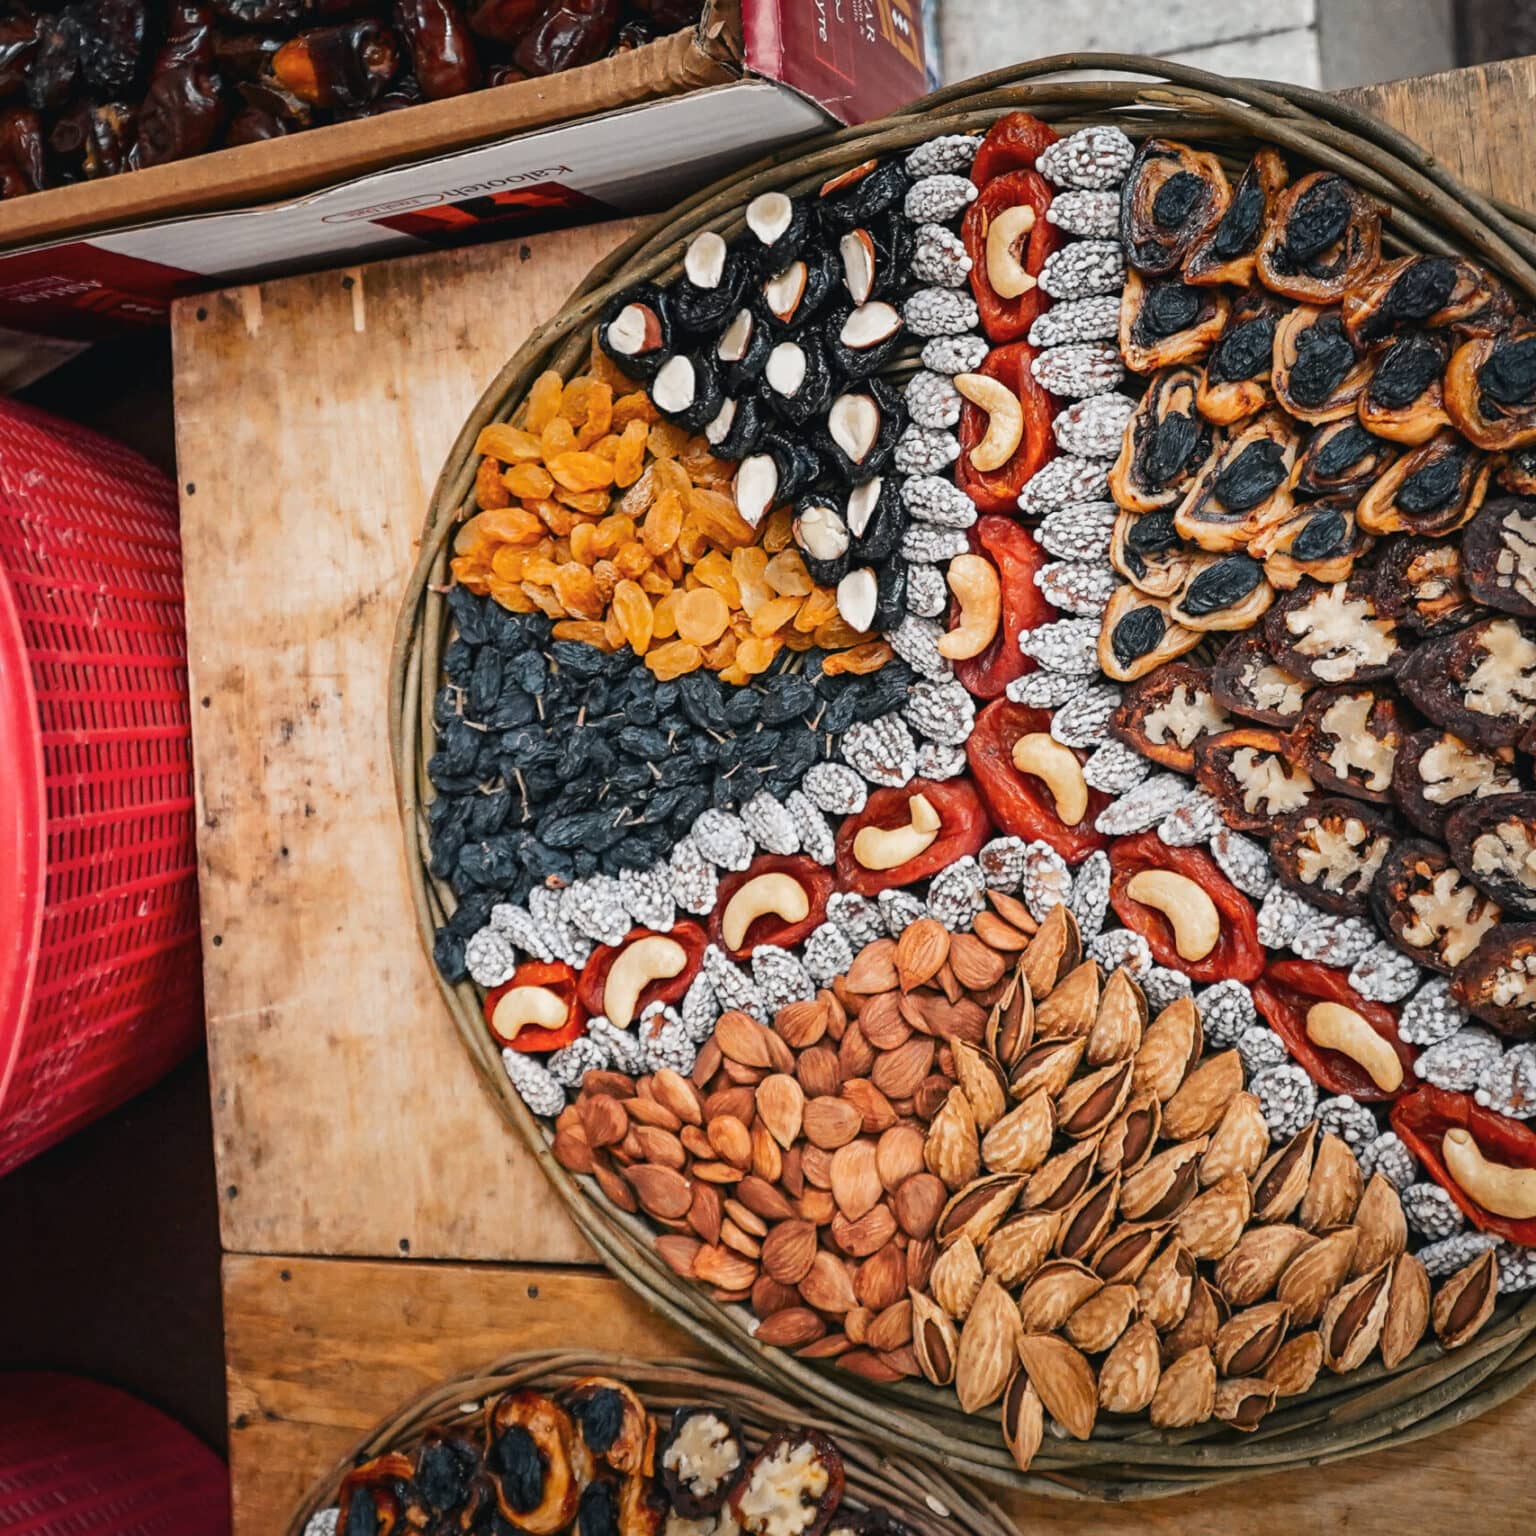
x,y
1190,912
1005,419
1005,271
646,960
886,847
779,894
1058,768
525,1007
973,580
1496,1187
1337,1028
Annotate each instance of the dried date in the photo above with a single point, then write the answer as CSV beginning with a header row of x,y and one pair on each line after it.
x,y
568,33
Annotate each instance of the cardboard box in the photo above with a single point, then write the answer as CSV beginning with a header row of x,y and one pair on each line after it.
x,y
628,134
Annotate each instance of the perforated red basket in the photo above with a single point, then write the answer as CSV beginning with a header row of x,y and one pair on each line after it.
x,y
100,982
87,1460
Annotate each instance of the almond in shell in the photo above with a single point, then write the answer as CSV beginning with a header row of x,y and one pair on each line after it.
x,y
1202,1098
1064,1379
1017,1247
1201,1322
953,1149
1407,1310
975,1210
1210,1225
1186,1392
1047,1064
989,1342
1311,1280
1088,1219
935,1340
1247,1341
1465,1300
1021,1140
1253,1268
1129,1138
1239,1143
1072,1005
1056,1184
1023,1419
1164,1185
1131,1370
1086,1107
1054,1292
1379,1221
1283,1176
1296,1364
1100,1321
983,1081
1010,1026
1166,1285
1242,1401
1120,1021
956,1277
1170,1046
1051,954
1334,1190
1352,1320
1128,1249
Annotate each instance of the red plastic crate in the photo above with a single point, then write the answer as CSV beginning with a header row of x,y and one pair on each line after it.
x,y
81,1459
100,979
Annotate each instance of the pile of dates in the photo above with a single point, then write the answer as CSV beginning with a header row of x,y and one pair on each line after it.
x,y
97,87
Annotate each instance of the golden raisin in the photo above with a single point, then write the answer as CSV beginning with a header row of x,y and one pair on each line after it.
x,y
531,480
510,595
674,659
579,471
656,582
755,654
734,675
543,401
511,445
667,440
585,630
629,454
664,618
557,438
542,569
575,587
510,563
470,573
639,496
714,570
716,514
543,599
606,575
583,543
632,559
663,523
607,446
634,407
612,532
787,575
869,657
748,566
820,606
692,543
702,616
773,614
632,608
590,503
722,653
613,631
490,493
837,634
796,640
559,520
778,530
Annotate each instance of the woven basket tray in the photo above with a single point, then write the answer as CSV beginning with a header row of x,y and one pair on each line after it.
x,y
1427,210
925,1499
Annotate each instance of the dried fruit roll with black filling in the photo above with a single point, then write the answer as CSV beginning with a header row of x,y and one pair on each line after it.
x,y
1318,375
1167,321
1172,197
1166,444
1323,238
1490,390
1228,253
1404,401
1137,634
1236,383
1320,539
614,1424
1429,291
532,1462
1242,490
1149,553
1432,489
1340,459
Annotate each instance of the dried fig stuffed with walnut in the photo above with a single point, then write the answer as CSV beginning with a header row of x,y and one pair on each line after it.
x,y
1330,852
1479,682
1497,982
1249,681
1252,773
1164,715
1437,772
1428,908
1348,740
1498,556
1332,634
1493,842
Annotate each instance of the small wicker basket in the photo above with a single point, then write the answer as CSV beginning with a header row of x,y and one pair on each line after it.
x,y
926,1500
1426,210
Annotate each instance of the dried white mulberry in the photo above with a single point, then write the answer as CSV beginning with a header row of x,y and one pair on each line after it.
x,y
1091,319
1455,1064
1120,946
524,930
1348,1119
780,978
722,837
925,451
932,399
1195,820
1226,1010
1092,428
595,907
939,198
733,987
546,908
622,1045
647,895
927,591
1259,1047
571,1063
1079,370
1084,269
835,788
899,909
916,641
947,155
1044,689
1084,721
489,957
1332,940
694,882
857,916
1096,157
1046,882
1287,1099
700,1009
1454,1252
1390,1157
932,499
1068,645
939,761
1243,861
1431,1014
1162,986
770,825
940,311
827,954
816,836
882,750
1115,768
938,256
1508,1086
1431,1212
1280,915
929,544
1002,863
665,1042
1384,974
1089,899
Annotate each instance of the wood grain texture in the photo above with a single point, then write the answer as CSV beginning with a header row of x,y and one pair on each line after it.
x,y
313,415
320,1350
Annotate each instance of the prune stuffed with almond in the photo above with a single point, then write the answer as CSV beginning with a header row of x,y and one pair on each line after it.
x,y
1236,382
1432,489
1340,459
1348,740
1228,252
1223,592
1490,390
792,1487
862,193
1164,321
1498,556
1173,195
1137,633
701,1459
1253,775
1329,852
1479,682
635,329
1323,238
1420,584
1146,549
1493,842
1249,681
1428,291
1166,444
1437,772
1317,373
613,1423
1320,539
1497,982
1427,908
1403,400
1165,714
1333,634
1242,490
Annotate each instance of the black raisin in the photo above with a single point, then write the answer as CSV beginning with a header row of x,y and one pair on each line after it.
x,y
1252,476
787,698
488,813
512,709
1138,634
362,1514
471,914
585,863
468,613
458,662
1176,199
448,956
529,671
1424,286
1509,376
1317,219
1169,308
700,699
1152,533
441,1478
516,1459
1411,365
1222,585
1325,533
1342,451
1238,232
578,659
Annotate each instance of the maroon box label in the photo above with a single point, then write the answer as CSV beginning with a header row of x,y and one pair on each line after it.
x,y
84,292
857,58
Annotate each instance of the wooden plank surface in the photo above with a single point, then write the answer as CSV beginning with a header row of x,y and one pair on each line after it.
x,y
312,416
320,1350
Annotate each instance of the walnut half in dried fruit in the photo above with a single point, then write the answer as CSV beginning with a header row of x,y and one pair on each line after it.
x,y
1253,774
1332,634
1436,771
1165,714
1348,740
1493,842
1479,682
1428,908
1497,982
1330,852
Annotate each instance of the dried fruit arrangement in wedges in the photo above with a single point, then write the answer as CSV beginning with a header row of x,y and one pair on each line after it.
x,y
1102,871
97,87
591,1458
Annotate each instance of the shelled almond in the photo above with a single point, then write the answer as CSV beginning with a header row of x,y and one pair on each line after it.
x,y
984,1164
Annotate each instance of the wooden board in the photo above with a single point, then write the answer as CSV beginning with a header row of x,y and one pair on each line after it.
x,y
313,416
320,1350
